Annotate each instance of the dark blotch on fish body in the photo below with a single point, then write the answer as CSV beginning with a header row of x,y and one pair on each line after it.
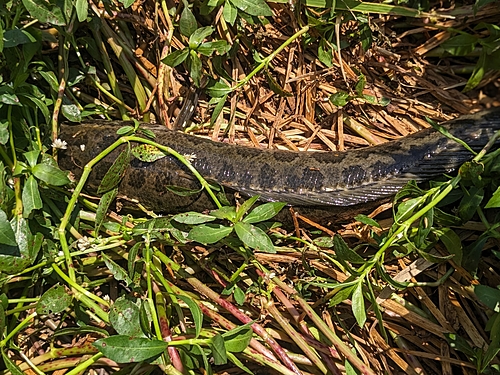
x,y
330,181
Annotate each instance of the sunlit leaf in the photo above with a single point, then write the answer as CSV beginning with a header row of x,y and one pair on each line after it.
x,y
187,22
209,233
253,7
264,212
196,313
54,301
238,339
115,173
254,237
31,196
358,305
126,349
102,209
218,350
193,218
124,317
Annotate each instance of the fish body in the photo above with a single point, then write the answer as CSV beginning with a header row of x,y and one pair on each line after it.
x,y
331,180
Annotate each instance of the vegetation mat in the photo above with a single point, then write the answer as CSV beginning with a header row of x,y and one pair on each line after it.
x,y
89,289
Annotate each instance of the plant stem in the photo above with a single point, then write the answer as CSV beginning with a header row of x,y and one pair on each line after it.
x,y
269,58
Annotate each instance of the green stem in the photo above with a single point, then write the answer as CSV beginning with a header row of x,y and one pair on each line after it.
x,y
84,296
269,58
18,328
84,365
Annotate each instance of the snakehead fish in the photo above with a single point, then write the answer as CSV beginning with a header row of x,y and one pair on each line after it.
x,y
337,182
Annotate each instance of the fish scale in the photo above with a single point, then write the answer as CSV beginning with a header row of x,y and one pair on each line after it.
x,y
352,178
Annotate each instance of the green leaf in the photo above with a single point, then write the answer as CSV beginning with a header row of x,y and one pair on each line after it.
x,y
50,174
182,191
365,34
206,364
209,233
407,208
340,98
370,99
132,259
45,11
32,157
218,90
323,242
4,132
193,218
124,317
489,296
384,102
114,175
82,8
219,46
127,129
102,209
217,110
367,220
11,366
218,350
325,53
342,295
275,86
71,110
460,45
7,236
117,271
195,313
472,254
470,202
478,73
31,196
452,242
471,170
195,68
51,79
242,210
264,212
199,36
239,295
127,3
458,343
253,7
187,22
344,253
16,37
494,201
53,301
238,339
254,237
225,212
229,13
124,349
384,276
175,58
4,301
360,85
358,304
494,345
2,318
16,258
148,153
7,96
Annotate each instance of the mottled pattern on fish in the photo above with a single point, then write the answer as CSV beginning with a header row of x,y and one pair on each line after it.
x,y
311,179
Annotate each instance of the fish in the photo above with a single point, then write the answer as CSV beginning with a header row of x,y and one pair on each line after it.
x,y
338,183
